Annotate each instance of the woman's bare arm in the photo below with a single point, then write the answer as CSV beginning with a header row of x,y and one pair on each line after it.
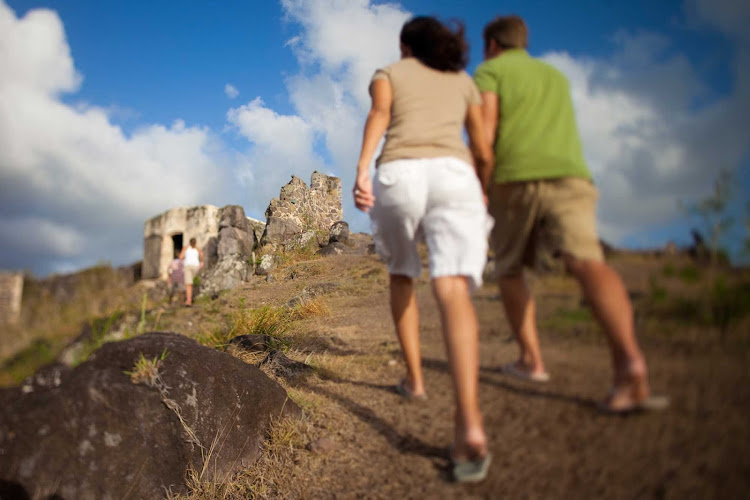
x,y
377,123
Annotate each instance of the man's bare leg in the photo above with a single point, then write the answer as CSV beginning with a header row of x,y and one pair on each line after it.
x,y
406,321
188,294
605,291
520,308
461,334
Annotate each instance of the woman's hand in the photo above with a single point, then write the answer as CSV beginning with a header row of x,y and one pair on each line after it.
x,y
363,197
377,122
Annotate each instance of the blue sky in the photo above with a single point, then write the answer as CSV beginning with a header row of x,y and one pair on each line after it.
x,y
112,112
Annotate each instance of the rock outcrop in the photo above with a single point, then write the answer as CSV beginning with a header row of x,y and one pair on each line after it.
x,y
229,272
133,418
300,209
230,263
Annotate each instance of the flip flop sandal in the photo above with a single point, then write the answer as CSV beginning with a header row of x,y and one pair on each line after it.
x,y
471,471
512,370
404,391
650,404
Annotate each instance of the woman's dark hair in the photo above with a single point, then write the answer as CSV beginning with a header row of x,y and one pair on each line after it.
x,y
436,45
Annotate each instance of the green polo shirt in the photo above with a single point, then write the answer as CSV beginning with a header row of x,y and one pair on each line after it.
x,y
537,135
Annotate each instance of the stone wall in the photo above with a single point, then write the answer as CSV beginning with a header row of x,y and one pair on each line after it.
x,y
299,209
11,291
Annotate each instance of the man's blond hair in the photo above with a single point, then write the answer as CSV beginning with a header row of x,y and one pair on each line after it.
x,y
508,32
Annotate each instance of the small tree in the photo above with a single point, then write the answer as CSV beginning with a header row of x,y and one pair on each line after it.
x,y
712,213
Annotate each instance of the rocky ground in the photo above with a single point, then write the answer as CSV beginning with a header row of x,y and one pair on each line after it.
x,y
359,439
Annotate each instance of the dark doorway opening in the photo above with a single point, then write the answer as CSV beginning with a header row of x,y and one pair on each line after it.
x,y
177,244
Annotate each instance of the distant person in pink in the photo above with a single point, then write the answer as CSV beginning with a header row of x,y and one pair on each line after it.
x,y
175,277
192,261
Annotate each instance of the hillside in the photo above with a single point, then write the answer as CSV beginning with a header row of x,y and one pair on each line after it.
x,y
359,439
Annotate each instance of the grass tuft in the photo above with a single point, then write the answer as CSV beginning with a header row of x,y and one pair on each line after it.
x,y
146,371
268,477
314,307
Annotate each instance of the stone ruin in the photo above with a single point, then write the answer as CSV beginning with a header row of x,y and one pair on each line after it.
x,y
167,233
299,210
11,291
228,238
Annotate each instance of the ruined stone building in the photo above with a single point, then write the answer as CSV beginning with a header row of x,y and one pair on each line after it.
x,y
165,235
218,231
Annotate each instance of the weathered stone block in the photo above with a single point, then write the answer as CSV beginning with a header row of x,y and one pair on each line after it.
x,y
339,232
232,241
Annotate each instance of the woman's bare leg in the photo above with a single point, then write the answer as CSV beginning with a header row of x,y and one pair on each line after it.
x,y
406,321
461,334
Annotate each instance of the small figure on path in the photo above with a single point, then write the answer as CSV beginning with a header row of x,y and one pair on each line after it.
x,y
428,188
175,277
542,192
192,259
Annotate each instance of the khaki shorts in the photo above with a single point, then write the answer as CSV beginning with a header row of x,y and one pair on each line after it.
x,y
190,272
537,218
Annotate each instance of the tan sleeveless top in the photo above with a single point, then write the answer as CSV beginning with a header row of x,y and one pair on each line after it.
x,y
428,111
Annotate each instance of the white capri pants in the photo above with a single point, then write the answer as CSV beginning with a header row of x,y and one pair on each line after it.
x,y
439,201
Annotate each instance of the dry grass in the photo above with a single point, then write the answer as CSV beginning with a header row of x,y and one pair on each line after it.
x,y
312,308
265,320
249,357
268,476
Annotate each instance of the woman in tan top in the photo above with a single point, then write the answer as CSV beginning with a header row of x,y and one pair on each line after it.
x,y
429,187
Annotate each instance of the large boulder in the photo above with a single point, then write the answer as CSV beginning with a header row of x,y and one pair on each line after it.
x,y
281,230
110,429
339,232
233,216
227,274
235,241
266,265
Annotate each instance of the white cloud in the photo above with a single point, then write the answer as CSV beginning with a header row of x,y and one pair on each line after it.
x,y
72,184
339,47
647,142
281,146
729,17
231,91
28,234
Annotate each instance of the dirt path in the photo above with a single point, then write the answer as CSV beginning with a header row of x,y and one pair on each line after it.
x,y
548,440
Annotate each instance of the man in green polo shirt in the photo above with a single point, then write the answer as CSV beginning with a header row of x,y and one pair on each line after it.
x,y
542,198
